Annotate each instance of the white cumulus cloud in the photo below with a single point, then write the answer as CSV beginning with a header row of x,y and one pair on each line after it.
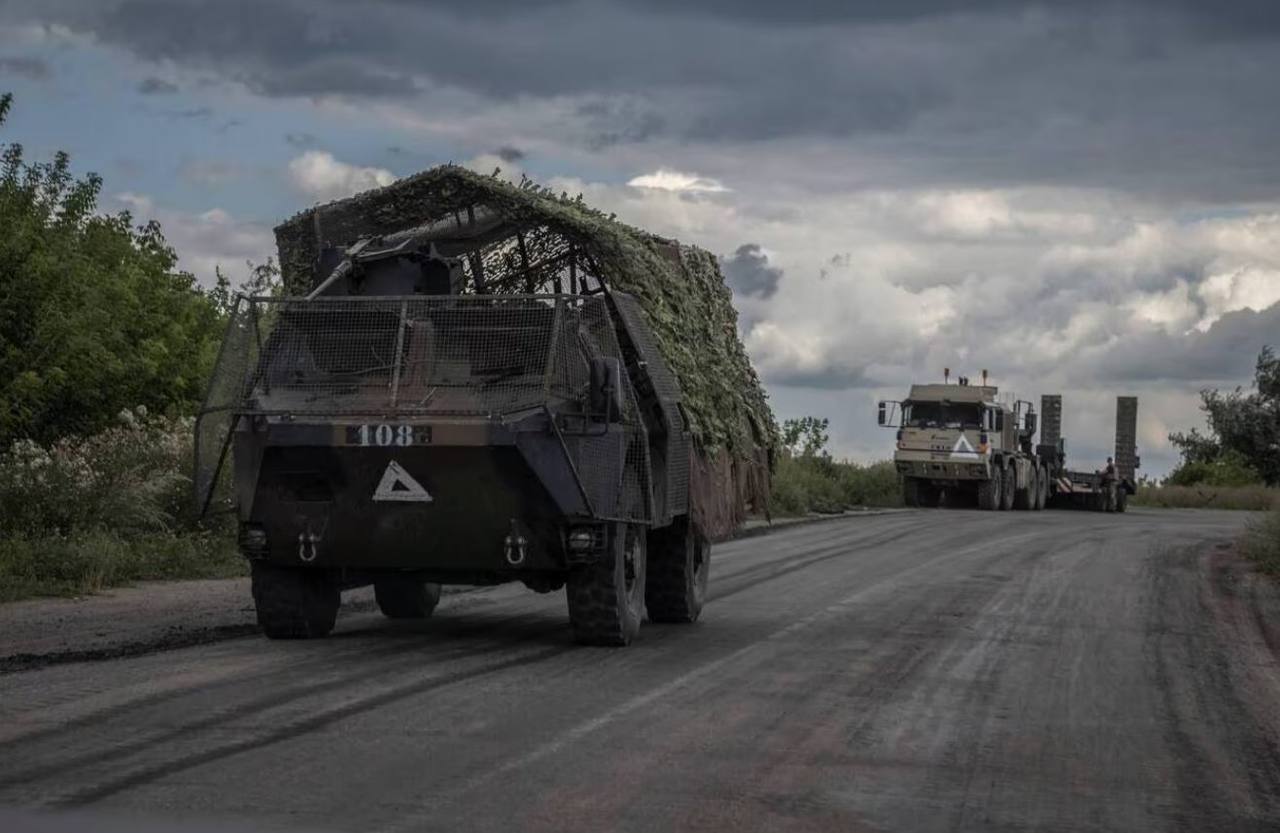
x,y
319,175
665,179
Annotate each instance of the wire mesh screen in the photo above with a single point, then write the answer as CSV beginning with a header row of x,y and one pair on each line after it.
x,y
236,358
461,356
440,355
620,460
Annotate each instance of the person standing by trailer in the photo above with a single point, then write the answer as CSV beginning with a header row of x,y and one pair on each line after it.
x,y
1109,485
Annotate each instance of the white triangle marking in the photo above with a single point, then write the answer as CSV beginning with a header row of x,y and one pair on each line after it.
x,y
398,485
963,449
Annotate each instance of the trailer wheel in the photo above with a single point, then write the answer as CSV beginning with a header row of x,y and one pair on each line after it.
x,y
294,602
910,492
404,597
1007,489
606,598
1024,499
678,563
989,492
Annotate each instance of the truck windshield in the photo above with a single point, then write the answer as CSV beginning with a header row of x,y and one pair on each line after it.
x,y
942,414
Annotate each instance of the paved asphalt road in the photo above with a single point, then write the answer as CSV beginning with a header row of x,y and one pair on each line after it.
x,y
922,671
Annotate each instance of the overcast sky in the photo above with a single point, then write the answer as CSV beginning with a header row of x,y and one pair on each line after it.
x,y
1082,198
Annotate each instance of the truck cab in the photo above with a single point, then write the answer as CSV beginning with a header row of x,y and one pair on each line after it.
x,y
959,440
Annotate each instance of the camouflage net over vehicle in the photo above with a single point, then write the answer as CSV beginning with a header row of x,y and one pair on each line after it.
x,y
537,241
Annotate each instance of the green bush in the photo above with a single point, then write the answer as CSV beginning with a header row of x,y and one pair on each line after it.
x,y
875,485
1262,541
84,513
1228,469
810,483
129,478
88,561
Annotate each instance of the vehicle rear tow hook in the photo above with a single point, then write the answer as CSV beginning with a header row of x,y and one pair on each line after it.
x,y
514,547
307,549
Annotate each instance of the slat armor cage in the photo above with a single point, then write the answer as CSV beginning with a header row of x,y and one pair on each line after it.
x,y
419,357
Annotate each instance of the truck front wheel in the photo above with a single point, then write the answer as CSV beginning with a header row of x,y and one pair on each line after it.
x,y
677,566
989,492
910,491
1007,489
606,597
1024,498
294,602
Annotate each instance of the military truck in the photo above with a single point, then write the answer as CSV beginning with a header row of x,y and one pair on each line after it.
x,y
464,383
961,442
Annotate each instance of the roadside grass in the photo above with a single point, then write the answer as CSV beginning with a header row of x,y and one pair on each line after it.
x,y
86,562
803,485
85,513
1261,542
1253,498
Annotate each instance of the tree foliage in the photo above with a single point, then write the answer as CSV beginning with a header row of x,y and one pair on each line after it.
x,y
95,316
806,436
1244,433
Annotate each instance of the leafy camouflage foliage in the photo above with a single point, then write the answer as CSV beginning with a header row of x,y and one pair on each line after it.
x,y
680,287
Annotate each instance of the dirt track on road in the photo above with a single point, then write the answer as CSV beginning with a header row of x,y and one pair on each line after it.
x,y
921,671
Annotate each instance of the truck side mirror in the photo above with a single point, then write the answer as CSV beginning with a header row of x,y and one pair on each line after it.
x,y
605,384
999,420
883,415
1031,424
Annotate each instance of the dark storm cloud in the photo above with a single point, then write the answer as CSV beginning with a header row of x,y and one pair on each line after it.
x,y
156,86
1158,97
509,154
33,69
1226,350
832,376
747,271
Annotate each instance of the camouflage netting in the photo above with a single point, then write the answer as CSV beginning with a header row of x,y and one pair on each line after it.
x,y
551,243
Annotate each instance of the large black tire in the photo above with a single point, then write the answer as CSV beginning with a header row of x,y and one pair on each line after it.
x,y
606,598
1007,489
405,597
910,491
930,495
1037,497
989,497
294,602
1046,487
1122,499
1024,499
677,567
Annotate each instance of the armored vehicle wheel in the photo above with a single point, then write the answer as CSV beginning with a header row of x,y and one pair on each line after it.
x,y
404,597
989,492
606,599
1007,489
678,562
294,602
1024,499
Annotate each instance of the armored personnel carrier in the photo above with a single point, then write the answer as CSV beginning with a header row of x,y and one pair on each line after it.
x,y
961,442
474,382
